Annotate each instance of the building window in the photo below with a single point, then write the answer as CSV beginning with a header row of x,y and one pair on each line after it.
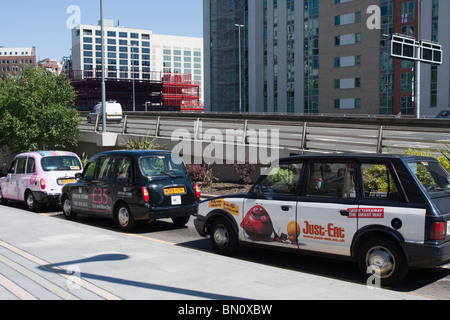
x,y
407,80
350,61
408,11
347,104
347,39
350,83
406,105
346,19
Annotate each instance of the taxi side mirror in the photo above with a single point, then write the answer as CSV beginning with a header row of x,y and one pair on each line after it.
x,y
257,190
78,176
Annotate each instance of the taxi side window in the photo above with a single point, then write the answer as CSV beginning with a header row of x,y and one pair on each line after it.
x,y
332,180
106,169
90,171
378,182
13,166
21,163
31,165
283,180
124,169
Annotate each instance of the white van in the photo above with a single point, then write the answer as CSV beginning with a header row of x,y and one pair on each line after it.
x,y
113,112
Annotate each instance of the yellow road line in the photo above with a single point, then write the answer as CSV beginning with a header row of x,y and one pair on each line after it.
x,y
38,279
150,239
15,289
83,283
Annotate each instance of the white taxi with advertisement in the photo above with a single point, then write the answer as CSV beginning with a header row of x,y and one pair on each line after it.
x,y
390,213
38,177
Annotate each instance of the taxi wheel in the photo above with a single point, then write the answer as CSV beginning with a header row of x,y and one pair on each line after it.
x,y
69,214
384,259
223,237
3,201
31,202
181,221
124,218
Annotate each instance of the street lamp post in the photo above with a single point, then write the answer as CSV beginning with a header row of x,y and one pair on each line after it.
x,y
103,69
239,26
133,75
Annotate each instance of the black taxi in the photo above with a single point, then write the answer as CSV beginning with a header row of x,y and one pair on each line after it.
x,y
131,186
390,213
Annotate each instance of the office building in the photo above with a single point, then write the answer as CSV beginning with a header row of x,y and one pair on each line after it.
x,y
12,60
329,56
135,54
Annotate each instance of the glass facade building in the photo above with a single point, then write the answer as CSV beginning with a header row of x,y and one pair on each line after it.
x,y
311,56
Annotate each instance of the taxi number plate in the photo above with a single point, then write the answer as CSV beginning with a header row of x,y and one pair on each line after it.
x,y
66,181
171,191
176,200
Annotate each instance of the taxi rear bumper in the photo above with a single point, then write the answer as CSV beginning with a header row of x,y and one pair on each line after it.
x,y
147,213
427,255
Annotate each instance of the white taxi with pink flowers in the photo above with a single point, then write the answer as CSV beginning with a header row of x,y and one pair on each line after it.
x,y
37,178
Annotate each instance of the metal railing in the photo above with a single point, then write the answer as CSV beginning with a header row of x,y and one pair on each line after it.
x,y
320,134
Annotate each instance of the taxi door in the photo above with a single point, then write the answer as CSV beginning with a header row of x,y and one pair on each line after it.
x,y
103,187
325,212
82,193
7,184
270,214
18,181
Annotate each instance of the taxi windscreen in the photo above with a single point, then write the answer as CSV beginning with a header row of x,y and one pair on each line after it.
x,y
60,163
162,165
433,177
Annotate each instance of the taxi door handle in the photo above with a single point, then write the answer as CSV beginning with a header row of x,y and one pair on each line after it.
x,y
286,208
344,213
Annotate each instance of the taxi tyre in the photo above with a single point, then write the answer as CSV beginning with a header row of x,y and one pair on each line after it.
x,y
181,221
124,217
3,201
66,204
223,237
377,251
31,202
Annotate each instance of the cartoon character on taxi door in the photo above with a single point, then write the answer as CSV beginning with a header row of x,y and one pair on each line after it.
x,y
293,230
258,225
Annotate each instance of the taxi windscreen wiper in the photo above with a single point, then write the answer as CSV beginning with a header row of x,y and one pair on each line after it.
x,y
169,174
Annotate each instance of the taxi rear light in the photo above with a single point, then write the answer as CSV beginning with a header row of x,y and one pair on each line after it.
x,y
43,184
145,194
437,231
198,192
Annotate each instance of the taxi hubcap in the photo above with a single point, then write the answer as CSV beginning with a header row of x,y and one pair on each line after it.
x,y
382,260
30,201
67,207
221,236
124,217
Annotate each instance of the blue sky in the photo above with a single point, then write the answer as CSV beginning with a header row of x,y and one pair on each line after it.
x,y
43,24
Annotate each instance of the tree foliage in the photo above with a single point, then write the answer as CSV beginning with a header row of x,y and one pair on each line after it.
x,y
36,113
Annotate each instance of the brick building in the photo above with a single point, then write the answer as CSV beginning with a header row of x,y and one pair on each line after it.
x,y
50,65
12,60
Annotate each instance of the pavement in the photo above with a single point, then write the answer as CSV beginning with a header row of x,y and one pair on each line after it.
x,y
44,258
